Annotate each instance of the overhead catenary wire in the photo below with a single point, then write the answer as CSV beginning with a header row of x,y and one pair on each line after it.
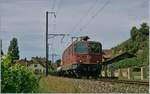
x,y
53,18
52,26
58,9
59,6
99,10
84,16
94,15
87,13
56,6
53,4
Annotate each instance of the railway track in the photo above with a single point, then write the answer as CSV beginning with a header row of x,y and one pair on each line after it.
x,y
125,81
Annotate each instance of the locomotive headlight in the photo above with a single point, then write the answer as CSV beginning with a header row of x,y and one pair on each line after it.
x,y
80,61
97,61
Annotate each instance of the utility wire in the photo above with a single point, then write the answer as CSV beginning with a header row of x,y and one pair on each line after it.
x,y
53,18
93,16
55,7
81,20
59,6
52,25
58,11
84,16
53,4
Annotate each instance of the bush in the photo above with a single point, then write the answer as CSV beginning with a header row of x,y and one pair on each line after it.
x,y
17,79
137,44
125,63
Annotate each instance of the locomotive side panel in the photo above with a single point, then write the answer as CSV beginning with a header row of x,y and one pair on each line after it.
x,y
82,58
73,56
68,56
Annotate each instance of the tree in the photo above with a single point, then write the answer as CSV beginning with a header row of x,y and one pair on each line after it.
x,y
134,33
58,62
13,49
137,44
144,29
16,78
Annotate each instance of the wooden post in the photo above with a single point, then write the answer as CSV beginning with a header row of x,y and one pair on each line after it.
x,y
129,73
142,73
105,70
120,73
112,72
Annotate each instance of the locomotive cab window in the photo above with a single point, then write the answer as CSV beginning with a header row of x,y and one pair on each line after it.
x,y
81,48
95,48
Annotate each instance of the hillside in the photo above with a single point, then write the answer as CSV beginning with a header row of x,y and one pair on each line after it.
x,y
137,44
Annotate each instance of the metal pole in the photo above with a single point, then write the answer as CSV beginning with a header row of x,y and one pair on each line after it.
x,y
0,50
46,43
1,44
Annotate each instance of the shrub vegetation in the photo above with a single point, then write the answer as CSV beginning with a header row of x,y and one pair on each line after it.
x,y
137,44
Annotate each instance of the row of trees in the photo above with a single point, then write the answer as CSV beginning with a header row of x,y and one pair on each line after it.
x,y
16,78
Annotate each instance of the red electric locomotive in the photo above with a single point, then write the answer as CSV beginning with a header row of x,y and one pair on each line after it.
x,y
82,58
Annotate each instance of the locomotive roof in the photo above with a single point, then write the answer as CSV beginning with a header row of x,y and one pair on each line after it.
x,y
80,41
85,41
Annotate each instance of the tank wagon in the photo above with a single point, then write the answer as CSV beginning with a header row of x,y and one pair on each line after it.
x,y
82,58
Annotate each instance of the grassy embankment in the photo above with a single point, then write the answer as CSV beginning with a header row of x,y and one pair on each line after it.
x,y
56,84
67,85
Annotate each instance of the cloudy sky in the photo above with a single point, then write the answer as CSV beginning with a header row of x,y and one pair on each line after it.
x,y
107,21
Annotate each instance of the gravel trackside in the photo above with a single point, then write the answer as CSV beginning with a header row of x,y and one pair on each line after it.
x,y
70,85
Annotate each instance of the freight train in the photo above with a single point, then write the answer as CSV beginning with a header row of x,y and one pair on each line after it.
x,y
82,58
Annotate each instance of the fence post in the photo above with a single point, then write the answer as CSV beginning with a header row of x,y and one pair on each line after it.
x,y
142,73
119,73
105,70
129,73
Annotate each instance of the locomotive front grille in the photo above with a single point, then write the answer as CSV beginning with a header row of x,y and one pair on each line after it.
x,y
88,59
89,69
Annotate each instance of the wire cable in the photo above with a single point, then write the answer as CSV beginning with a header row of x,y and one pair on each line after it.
x,y
59,6
84,16
58,12
99,10
53,5
93,16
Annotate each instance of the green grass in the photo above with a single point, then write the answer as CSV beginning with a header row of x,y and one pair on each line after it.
x,y
52,84
56,85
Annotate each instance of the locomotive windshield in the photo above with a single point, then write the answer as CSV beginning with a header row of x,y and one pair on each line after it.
x,y
95,47
81,47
